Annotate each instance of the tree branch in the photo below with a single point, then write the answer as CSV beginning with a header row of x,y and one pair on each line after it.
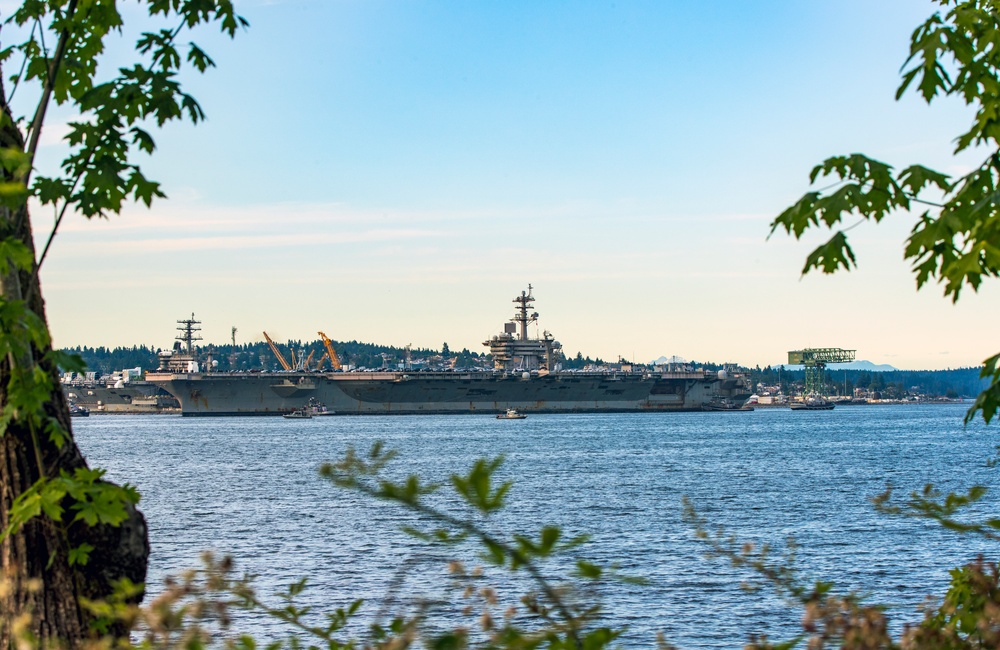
x,y
35,127
510,551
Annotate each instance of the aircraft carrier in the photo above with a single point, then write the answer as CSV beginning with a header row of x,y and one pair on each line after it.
x,y
526,377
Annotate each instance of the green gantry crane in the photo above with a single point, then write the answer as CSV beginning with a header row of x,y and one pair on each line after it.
x,y
815,360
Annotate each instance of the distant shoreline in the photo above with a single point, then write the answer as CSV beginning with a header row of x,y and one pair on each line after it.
x,y
942,402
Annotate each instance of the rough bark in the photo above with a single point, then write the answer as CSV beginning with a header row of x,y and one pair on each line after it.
x,y
34,562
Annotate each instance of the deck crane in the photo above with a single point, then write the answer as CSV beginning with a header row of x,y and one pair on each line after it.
x,y
319,364
815,360
305,366
274,349
334,360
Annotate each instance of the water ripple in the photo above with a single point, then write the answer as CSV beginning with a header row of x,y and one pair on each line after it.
x,y
249,487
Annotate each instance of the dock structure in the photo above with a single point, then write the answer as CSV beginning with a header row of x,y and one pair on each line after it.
x,y
815,361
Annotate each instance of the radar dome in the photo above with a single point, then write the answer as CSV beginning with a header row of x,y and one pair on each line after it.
x,y
723,375
215,363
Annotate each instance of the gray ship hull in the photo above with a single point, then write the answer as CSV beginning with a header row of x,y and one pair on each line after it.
x,y
134,397
215,394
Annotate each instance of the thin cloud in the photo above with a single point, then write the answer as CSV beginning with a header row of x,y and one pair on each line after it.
x,y
178,214
247,242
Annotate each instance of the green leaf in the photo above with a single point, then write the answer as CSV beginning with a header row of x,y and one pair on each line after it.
x,y
495,553
80,555
448,641
15,255
198,58
13,194
297,587
549,536
51,190
915,178
476,488
142,139
16,162
245,642
588,570
56,433
834,254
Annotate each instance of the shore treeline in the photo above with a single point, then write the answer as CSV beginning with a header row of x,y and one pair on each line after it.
x,y
892,384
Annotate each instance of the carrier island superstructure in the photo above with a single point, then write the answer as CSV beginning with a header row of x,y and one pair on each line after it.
x,y
526,376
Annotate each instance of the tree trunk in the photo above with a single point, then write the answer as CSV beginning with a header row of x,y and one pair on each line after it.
x,y
34,562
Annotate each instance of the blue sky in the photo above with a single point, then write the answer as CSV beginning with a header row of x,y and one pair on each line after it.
x,y
398,171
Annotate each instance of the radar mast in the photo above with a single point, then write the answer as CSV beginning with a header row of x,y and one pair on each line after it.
x,y
521,317
189,328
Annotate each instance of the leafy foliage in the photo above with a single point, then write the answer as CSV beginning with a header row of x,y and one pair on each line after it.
x,y
55,47
551,616
967,618
90,500
957,242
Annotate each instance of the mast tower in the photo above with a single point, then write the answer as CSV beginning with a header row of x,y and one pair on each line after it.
x,y
524,302
189,328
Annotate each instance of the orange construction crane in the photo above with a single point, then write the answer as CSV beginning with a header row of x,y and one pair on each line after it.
x,y
319,364
305,366
274,348
334,360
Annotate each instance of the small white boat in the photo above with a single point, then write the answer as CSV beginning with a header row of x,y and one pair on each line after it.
x,y
511,414
298,414
812,403
725,405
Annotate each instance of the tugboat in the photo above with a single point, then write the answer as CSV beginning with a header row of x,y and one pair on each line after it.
x,y
77,411
511,414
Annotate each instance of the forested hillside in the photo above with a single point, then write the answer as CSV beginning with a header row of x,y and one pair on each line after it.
x,y
258,356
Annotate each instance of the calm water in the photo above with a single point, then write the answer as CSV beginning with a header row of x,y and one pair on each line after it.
x,y
249,487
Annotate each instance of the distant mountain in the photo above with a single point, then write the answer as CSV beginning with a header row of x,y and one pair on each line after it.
x,y
665,360
854,365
